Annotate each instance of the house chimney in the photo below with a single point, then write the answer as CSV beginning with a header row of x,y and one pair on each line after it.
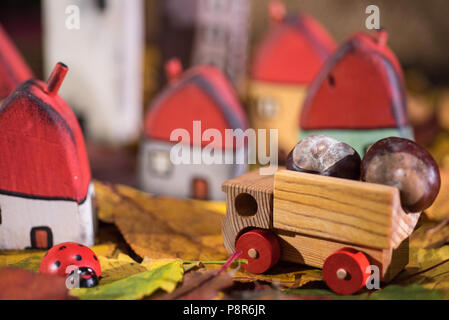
x,y
56,78
173,69
276,11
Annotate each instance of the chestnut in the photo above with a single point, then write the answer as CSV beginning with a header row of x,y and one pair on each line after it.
x,y
323,155
403,164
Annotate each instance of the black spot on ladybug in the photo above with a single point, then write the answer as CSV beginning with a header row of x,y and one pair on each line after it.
x,y
95,257
62,247
79,244
78,257
57,264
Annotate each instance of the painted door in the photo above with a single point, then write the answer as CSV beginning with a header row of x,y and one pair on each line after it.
x,y
41,238
200,189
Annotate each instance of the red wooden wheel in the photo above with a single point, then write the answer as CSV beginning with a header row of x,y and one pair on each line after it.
x,y
261,248
344,271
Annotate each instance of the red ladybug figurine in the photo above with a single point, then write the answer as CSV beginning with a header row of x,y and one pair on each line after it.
x,y
66,258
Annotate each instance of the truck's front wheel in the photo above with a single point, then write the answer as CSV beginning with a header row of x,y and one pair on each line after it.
x,y
261,248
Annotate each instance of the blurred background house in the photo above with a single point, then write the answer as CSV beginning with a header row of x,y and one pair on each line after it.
x,y
418,33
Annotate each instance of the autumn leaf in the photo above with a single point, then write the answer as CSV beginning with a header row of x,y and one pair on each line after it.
x,y
411,292
137,286
155,227
295,279
391,292
200,286
284,274
431,235
31,260
25,285
117,269
439,210
428,268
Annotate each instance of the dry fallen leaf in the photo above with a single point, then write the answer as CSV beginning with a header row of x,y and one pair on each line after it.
x,y
25,285
428,268
431,235
156,227
200,286
284,274
30,260
294,279
439,210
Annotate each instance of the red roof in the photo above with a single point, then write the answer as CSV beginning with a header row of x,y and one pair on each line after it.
x,y
202,93
360,87
293,51
43,150
13,70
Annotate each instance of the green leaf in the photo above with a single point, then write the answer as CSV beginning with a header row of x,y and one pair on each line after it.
x,y
412,292
391,292
137,286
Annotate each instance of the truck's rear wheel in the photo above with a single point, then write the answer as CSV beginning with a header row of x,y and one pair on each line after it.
x,y
261,248
345,271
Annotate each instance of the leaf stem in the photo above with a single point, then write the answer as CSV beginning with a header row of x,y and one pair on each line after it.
x,y
215,261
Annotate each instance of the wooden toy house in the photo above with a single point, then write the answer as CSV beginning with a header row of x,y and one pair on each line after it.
x,y
13,69
203,95
45,181
285,63
222,36
358,96
105,51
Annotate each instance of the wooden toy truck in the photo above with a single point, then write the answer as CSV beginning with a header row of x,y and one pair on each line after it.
x,y
342,226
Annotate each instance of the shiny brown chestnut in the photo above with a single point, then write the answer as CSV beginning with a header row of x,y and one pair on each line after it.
x,y
326,156
405,165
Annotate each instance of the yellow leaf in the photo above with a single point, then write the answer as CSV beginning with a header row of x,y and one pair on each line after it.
x,y
156,227
422,259
31,260
295,279
156,263
117,269
439,210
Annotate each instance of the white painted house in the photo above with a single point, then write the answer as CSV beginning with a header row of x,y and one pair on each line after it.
x,y
201,94
105,87
46,193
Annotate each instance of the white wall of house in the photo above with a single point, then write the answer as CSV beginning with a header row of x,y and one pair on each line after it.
x,y
67,220
105,57
161,177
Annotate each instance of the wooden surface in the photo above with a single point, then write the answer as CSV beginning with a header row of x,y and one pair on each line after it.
x,y
341,210
259,187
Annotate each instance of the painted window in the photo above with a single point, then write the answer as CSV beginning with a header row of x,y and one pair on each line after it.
x,y
200,189
266,107
41,238
160,163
